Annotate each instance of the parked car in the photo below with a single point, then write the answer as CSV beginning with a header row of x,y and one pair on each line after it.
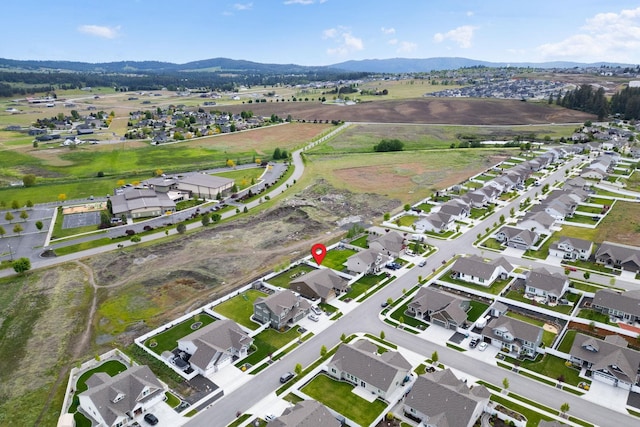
x,y
269,417
316,310
151,419
473,343
313,317
483,346
384,304
286,377
422,263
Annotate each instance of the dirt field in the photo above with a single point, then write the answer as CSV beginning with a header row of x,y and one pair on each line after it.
x,y
426,110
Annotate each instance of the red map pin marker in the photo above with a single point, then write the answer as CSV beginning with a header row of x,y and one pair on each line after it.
x,y
318,251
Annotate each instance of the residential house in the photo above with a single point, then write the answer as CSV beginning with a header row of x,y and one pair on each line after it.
x,y
116,401
609,360
571,248
392,243
456,208
513,335
360,364
620,256
577,183
435,222
540,222
439,308
307,413
624,306
367,261
441,399
475,199
323,284
475,269
518,238
280,310
592,173
548,286
215,346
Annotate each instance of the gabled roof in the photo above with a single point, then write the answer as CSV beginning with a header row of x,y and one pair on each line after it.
x,y
429,300
127,386
307,413
219,336
445,399
282,302
541,217
527,236
391,241
626,302
618,252
367,256
540,278
476,266
377,370
619,361
580,244
322,281
519,329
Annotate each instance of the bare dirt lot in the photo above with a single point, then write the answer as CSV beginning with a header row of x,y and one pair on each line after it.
x,y
426,110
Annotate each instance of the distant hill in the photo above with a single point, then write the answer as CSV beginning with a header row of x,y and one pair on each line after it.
x,y
415,65
393,65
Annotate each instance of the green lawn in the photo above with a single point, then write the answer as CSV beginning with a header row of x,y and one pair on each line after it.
x,y
477,213
425,207
338,396
268,342
336,258
409,320
360,242
587,313
283,279
168,340
243,177
492,244
172,399
477,308
533,417
518,296
406,220
553,367
582,219
240,308
585,286
567,341
363,285
110,367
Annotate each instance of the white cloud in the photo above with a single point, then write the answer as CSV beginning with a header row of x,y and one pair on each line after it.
x,y
606,36
243,6
346,42
100,31
303,2
388,30
393,42
470,13
463,36
407,47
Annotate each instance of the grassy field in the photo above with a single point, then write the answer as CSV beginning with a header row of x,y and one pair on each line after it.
x,y
363,285
283,279
476,310
267,342
240,308
335,258
168,340
243,177
338,396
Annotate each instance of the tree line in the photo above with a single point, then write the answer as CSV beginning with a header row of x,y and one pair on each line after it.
x,y
625,103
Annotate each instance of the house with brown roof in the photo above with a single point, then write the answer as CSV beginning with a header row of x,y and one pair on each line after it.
x,y
117,401
308,413
323,284
609,360
620,256
280,310
624,306
513,335
441,399
215,346
361,365
571,248
550,286
439,308
476,270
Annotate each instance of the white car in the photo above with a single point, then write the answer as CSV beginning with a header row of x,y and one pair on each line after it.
x,y
483,346
269,417
316,310
313,317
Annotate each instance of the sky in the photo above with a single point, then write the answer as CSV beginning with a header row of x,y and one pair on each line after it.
x,y
321,32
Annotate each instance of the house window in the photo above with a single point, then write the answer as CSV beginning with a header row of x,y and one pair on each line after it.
x,y
481,280
363,384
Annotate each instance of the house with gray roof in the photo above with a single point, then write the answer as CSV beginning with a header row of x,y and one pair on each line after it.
x,y
539,222
367,261
476,270
323,284
550,286
624,306
141,203
435,222
441,399
117,401
280,310
610,360
515,237
571,248
456,208
615,255
513,335
308,413
439,308
361,365
215,346
392,243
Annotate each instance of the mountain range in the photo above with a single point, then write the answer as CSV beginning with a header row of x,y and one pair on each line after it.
x,y
392,65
